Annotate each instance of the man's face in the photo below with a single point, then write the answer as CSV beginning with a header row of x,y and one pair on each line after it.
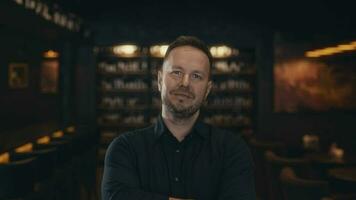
x,y
184,81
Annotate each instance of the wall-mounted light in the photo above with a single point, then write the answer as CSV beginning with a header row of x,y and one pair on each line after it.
x,y
158,50
70,129
43,140
222,51
4,158
50,54
24,148
331,50
126,50
58,134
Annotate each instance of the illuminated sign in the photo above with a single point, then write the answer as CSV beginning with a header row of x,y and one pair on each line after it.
x,y
52,13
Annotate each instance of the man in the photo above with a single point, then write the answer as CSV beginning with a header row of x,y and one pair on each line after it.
x,y
180,157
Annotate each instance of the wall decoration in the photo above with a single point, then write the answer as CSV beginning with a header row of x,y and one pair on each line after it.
x,y
49,76
313,84
18,75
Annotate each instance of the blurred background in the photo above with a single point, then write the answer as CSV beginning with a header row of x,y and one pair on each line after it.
x,y
75,74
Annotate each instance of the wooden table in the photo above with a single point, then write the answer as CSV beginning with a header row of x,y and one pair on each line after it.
x,y
343,180
324,158
344,174
322,162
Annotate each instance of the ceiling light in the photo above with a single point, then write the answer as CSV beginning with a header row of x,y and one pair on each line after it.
x,y
126,50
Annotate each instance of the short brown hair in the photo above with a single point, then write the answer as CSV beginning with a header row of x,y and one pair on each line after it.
x,y
193,42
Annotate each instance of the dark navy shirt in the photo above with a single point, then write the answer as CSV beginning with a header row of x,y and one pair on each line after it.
x,y
151,164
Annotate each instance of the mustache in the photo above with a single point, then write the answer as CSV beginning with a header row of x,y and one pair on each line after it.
x,y
183,91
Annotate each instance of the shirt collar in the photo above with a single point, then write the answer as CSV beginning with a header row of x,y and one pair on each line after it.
x,y
199,128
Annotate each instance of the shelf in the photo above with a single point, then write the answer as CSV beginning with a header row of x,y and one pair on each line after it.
x,y
123,90
110,74
231,125
109,55
124,125
219,73
138,107
226,107
234,91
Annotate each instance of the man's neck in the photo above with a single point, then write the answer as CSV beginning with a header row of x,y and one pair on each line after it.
x,y
179,127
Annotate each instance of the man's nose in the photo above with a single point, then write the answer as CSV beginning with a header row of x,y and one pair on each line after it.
x,y
185,80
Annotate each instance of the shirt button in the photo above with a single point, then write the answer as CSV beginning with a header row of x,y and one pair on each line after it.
x,y
176,179
177,151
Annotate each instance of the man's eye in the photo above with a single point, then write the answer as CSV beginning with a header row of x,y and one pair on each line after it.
x,y
177,73
197,76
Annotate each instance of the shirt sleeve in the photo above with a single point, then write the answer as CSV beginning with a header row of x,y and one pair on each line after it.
x,y
237,177
120,179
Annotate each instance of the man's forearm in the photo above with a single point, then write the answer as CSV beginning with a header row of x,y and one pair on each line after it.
x,y
131,194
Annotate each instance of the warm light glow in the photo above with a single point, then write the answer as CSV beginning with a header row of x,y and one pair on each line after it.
x,y
125,50
24,148
50,54
312,54
71,129
331,50
345,47
4,158
220,51
353,44
43,140
158,50
58,134
328,51
20,2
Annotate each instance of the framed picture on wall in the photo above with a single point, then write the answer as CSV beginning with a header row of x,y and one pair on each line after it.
x,y
49,76
18,75
305,84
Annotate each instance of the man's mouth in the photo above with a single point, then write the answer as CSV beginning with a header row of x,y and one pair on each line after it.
x,y
183,95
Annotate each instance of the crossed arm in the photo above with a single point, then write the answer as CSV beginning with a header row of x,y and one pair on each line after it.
x,y
121,182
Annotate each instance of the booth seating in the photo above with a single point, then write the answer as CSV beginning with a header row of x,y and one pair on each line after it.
x,y
274,165
258,148
63,166
44,168
297,188
17,179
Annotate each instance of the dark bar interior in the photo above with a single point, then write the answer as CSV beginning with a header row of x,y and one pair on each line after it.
x,y
75,75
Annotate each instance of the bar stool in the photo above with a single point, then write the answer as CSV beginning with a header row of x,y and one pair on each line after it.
x,y
17,179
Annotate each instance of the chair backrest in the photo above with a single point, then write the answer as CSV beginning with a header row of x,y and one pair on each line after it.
x,y
45,161
296,188
274,165
340,197
64,149
16,179
258,147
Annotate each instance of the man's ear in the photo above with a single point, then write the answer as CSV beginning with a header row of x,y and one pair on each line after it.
x,y
210,85
159,79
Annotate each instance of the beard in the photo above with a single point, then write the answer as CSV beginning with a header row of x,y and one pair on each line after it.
x,y
179,110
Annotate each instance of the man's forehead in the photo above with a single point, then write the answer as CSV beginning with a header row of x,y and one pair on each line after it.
x,y
186,50
186,55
